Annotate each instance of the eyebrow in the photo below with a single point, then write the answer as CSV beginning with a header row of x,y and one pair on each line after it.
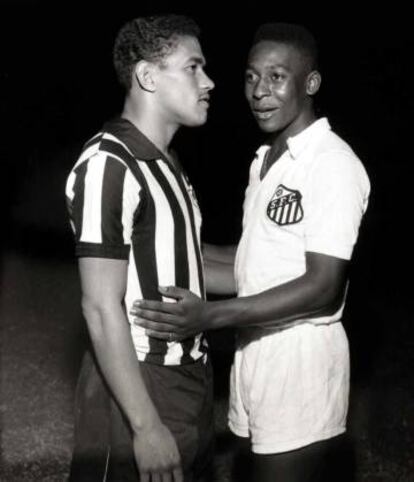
x,y
269,67
197,59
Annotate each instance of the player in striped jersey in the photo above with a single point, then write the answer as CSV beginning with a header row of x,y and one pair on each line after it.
x,y
137,226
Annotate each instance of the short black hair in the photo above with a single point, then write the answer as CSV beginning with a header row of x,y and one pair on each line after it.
x,y
291,34
149,38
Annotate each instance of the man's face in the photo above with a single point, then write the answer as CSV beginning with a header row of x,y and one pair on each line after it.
x,y
275,87
182,85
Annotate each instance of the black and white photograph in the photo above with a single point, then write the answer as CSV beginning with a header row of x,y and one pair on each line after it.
x,y
205,264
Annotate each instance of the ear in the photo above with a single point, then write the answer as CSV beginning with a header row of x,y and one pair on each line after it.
x,y
144,75
313,82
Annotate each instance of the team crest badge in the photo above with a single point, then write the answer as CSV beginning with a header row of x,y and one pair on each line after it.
x,y
285,207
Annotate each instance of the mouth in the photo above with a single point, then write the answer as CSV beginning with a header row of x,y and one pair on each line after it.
x,y
264,114
205,101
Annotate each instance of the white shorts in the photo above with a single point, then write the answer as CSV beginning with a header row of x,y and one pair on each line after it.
x,y
290,388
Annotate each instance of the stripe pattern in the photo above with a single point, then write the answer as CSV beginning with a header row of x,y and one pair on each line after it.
x,y
143,211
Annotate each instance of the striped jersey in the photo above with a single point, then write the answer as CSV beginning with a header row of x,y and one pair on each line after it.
x,y
127,201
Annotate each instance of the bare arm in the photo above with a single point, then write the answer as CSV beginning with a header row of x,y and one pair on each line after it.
x,y
319,292
219,269
103,287
222,254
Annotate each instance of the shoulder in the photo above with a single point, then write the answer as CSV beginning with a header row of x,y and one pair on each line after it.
x,y
102,147
335,157
332,144
104,162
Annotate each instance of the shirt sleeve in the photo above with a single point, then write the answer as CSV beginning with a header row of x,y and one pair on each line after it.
x,y
103,197
338,197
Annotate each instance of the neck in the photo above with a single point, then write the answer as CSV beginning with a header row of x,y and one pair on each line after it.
x,y
278,139
146,120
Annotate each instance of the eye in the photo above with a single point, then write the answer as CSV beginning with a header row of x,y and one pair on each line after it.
x,y
192,68
276,77
249,77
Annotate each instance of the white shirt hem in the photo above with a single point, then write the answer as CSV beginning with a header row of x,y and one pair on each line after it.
x,y
275,447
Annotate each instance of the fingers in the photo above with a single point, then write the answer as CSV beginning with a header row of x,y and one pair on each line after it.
x,y
170,336
179,294
178,475
173,292
172,475
144,476
155,320
167,336
157,326
156,306
156,477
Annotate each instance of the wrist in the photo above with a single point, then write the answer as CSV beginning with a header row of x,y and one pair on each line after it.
x,y
145,423
234,312
214,316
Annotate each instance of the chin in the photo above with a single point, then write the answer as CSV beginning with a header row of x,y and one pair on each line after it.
x,y
268,127
195,122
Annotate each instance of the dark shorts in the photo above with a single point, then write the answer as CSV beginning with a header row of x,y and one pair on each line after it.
x,y
183,396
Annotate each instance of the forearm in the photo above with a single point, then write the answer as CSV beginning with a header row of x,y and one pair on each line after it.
x,y
219,269
221,254
112,342
298,299
318,292
219,278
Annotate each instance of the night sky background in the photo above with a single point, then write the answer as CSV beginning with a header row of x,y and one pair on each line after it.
x,y
57,87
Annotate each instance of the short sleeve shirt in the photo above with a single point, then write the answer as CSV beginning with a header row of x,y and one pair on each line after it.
x,y
127,201
312,199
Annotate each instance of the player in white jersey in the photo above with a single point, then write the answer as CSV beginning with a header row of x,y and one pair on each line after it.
x,y
144,406
304,203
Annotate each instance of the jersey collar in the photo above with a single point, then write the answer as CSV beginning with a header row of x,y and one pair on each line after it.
x,y
299,142
140,146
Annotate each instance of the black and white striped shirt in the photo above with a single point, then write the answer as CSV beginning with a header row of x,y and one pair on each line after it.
x,y
127,201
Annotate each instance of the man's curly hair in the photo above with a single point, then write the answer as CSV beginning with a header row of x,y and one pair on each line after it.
x,y
148,38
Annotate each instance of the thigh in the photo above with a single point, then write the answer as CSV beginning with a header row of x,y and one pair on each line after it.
x,y
121,461
308,464
291,387
241,464
202,466
183,397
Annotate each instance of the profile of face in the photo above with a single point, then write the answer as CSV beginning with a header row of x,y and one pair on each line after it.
x,y
182,86
278,86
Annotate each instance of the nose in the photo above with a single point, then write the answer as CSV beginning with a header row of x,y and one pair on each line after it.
x,y
260,88
206,82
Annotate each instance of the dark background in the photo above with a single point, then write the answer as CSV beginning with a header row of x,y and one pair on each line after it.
x,y
57,86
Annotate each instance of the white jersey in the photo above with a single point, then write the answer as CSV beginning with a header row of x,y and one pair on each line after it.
x,y
290,385
311,199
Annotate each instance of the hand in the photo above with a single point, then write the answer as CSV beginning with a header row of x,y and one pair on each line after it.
x,y
157,455
171,321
